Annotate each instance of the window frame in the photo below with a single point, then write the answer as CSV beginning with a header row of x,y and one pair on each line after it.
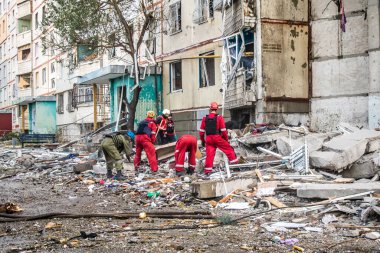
x,y
201,62
177,7
172,76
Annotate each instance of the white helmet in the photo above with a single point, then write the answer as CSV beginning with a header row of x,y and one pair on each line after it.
x,y
166,112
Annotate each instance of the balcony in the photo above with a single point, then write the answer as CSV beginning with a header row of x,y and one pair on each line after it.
x,y
24,38
26,92
24,67
24,97
24,9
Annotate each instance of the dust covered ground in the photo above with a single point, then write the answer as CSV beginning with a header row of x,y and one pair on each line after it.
x,y
62,194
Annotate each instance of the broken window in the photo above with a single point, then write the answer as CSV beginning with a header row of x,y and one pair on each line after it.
x,y
60,103
176,76
204,9
52,67
25,54
207,70
175,17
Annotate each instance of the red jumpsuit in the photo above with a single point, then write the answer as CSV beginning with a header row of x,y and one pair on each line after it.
x,y
187,143
216,137
145,139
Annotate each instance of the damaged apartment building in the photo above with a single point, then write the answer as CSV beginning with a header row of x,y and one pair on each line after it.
x,y
250,56
276,61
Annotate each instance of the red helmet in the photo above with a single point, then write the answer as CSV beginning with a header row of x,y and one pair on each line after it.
x,y
214,106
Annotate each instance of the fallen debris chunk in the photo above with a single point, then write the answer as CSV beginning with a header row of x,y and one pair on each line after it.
x,y
217,188
52,225
266,188
328,218
10,208
326,191
372,235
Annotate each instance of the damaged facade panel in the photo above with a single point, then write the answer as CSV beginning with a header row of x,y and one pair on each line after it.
x,y
279,50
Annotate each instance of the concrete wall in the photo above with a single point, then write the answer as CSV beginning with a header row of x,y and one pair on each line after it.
x,y
345,65
191,95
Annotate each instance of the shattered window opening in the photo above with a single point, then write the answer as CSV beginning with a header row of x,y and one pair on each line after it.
x,y
176,76
175,17
207,70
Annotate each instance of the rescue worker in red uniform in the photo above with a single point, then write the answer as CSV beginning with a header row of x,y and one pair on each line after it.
x,y
216,137
187,143
145,138
162,123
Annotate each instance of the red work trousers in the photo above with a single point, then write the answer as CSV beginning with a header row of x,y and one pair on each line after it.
x,y
212,143
143,142
186,143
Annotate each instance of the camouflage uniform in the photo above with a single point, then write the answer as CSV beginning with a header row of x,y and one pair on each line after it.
x,y
113,145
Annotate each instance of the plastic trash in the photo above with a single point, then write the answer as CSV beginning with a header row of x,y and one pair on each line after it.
x,y
153,194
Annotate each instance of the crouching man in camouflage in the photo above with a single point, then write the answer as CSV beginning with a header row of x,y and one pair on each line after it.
x,y
113,145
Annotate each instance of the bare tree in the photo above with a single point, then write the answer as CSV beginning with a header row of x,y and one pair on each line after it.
x,y
102,25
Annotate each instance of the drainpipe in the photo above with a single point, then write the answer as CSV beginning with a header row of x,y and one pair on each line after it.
x,y
95,101
259,85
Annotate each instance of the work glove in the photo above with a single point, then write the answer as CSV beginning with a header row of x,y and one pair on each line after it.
x,y
203,144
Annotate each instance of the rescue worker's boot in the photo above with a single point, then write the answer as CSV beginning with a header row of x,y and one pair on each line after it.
x,y
179,173
109,173
119,176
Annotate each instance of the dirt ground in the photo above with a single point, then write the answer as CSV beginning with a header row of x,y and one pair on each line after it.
x,y
37,196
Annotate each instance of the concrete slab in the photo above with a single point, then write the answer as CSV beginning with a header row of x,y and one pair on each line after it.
x,y
365,167
314,141
326,191
263,138
372,136
215,188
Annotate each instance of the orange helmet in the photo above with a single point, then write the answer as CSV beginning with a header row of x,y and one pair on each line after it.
x,y
150,114
214,106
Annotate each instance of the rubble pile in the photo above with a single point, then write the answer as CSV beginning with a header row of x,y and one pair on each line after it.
x,y
290,186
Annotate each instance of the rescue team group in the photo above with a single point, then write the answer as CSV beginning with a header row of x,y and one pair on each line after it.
x,y
212,133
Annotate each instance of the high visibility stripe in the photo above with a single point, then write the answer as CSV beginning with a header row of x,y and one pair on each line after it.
x,y
202,130
208,168
179,165
223,129
153,132
177,151
234,161
190,165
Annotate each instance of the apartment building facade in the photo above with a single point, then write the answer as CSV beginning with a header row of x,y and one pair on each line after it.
x,y
8,55
190,58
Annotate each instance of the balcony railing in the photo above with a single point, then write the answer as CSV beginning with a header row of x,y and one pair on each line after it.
x,y
24,9
24,38
24,67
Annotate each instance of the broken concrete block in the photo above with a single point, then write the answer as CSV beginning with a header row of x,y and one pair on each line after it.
x,y
266,137
326,191
365,167
84,166
215,188
373,138
339,153
314,142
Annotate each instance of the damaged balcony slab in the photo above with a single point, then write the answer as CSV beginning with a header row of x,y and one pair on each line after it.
x,y
340,152
365,167
263,138
327,191
216,188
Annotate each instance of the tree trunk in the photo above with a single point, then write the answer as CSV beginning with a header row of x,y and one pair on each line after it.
x,y
132,108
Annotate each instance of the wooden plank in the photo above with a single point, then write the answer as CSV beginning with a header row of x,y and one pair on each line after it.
x,y
258,173
275,202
